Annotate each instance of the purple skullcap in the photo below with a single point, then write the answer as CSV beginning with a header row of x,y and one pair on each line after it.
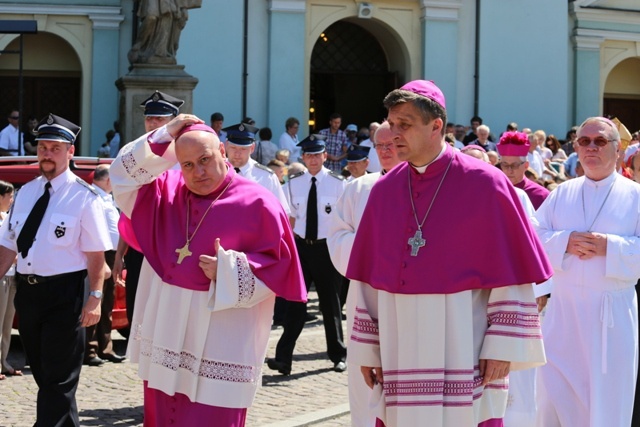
x,y
426,88
193,127
514,144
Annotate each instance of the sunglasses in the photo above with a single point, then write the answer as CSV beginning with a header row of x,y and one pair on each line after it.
x,y
599,141
14,117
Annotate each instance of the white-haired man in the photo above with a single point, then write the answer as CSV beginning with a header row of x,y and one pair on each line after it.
x,y
590,229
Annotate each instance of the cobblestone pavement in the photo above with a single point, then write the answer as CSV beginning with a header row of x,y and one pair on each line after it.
x,y
111,395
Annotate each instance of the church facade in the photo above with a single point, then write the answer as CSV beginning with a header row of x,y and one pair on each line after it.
x,y
546,64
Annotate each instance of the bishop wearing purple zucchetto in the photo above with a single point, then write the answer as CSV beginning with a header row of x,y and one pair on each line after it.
x,y
218,249
449,308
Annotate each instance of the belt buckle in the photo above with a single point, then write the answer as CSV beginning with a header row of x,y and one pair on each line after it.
x,y
32,279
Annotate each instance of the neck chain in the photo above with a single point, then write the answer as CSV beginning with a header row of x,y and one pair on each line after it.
x,y
184,251
416,242
584,210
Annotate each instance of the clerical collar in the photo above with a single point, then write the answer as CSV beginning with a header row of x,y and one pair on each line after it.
x,y
423,169
601,183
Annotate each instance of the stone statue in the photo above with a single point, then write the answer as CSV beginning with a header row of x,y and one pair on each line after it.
x,y
161,22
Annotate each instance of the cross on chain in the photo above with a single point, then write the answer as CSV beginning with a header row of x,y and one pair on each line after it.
x,y
416,242
183,252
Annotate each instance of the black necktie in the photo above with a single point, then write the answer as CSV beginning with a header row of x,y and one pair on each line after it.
x,y
311,232
237,170
28,232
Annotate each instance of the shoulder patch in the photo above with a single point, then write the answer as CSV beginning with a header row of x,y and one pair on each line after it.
x,y
295,175
263,167
336,175
87,186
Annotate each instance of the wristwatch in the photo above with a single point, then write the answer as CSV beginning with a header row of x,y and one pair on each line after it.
x,y
97,294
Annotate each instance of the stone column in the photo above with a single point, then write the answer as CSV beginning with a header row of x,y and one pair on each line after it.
x,y
587,86
286,40
104,62
440,43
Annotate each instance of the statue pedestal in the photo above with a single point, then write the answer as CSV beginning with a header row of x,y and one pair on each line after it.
x,y
140,83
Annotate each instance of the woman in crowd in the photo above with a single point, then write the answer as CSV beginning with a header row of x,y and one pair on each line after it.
x,y
553,144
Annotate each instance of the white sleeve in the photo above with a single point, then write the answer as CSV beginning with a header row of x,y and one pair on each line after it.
x,y
514,331
236,285
364,343
137,165
554,241
286,190
94,235
342,231
623,257
4,140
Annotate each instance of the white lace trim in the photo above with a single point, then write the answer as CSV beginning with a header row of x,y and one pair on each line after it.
x,y
246,281
206,368
140,175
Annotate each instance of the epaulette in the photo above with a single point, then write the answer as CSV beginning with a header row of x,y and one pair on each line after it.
x,y
336,175
87,186
295,175
263,167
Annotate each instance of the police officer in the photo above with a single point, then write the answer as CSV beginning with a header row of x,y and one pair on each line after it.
x,y
241,142
357,161
57,227
159,109
312,197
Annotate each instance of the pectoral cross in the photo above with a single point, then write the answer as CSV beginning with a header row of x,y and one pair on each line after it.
x,y
183,252
416,242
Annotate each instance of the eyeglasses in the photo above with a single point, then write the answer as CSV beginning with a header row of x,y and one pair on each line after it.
x,y
511,166
383,147
599,141
14,117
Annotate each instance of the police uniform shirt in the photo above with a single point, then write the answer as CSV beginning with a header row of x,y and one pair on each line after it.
x,y
73,223
267,178
329,188
111,214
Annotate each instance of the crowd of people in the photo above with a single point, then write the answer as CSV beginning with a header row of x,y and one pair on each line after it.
x,y
228,230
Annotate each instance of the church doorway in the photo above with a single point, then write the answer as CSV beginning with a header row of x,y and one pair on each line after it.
x,y
51,79
350,75
622,93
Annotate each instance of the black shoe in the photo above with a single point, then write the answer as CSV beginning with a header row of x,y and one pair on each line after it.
x,y
94,361
310,317
114,358
281,367
340,366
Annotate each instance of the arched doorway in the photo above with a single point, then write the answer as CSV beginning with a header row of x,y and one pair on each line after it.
x,y
51,78
622,93
350,75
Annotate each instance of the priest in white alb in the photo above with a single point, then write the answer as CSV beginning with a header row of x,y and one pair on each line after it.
x,y
342,232
448,256
218,248
590,229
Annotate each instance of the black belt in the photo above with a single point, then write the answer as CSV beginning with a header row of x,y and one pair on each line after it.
x,y
309,241
34,279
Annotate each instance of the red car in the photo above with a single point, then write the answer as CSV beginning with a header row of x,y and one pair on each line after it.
x,y
19,170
